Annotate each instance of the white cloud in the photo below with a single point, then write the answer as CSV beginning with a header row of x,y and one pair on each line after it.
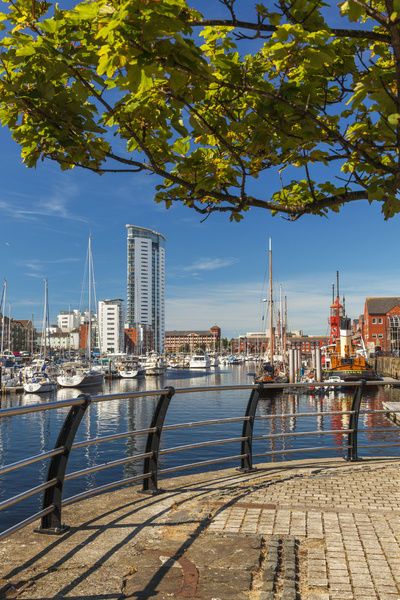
x,y
38,267
237,307
31,209
210,264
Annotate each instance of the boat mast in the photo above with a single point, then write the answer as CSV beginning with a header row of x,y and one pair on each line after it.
x,y
45,322
271,307
285,331
89,337
9,326
281,322
31,341
3,306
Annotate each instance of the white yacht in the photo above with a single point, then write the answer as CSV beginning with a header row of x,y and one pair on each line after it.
x,y
130,370
200,361
10,378
76,376
39,383
40,376
154,365
214,361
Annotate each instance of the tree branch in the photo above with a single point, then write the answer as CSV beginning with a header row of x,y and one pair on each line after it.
x,y
340,33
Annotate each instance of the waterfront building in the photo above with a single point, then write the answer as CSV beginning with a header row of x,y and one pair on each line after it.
x,y
252,342
189,341
258,342
307,343
381,324
58,340
138,340
146,282
19,334
84,330
67,320
110,325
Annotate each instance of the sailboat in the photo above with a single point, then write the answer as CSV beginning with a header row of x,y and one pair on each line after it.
x,y
75,375
154,365
36,379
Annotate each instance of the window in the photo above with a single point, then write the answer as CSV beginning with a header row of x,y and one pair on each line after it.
x,y
380,321
380,335
374,321
374,335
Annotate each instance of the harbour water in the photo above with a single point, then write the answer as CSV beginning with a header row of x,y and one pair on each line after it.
x,y
33,433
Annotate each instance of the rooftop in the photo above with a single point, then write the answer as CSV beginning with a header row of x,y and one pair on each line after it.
x,y
188,332
146,230
381,305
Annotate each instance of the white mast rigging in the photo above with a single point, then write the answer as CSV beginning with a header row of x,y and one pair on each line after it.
x,y
2,310
271,308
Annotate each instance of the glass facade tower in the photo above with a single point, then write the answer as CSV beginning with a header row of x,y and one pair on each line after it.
x,y
146,282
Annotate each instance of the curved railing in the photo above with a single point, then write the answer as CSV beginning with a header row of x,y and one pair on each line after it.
x,y
52,489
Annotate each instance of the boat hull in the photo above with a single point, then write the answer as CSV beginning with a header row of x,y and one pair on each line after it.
x,y
154,372
40,388
81,380
130,374
353,375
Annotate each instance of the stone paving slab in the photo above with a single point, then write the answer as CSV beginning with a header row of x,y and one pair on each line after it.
x,y
320,530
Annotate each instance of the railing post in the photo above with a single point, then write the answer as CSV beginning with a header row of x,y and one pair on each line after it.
x,y
352,454
52,524
246,462
150,485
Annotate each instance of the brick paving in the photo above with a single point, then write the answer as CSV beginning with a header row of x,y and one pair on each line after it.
x,y
326,530
351,518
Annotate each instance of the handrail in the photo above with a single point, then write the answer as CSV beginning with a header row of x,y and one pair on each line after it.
x,y
20,410
300,433
31,460
23,410
111,438
50,483
52,488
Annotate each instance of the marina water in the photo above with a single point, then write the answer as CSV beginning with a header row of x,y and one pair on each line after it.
x,y
34,433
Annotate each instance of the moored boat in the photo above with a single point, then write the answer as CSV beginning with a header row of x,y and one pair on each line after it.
x,y
79,376
130,371
76,375
154,365
200,360
39,383
342,357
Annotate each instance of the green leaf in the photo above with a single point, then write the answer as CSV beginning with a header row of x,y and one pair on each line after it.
x,y
181,146
394,119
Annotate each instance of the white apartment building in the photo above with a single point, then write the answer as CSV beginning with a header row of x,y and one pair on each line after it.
x,y
110,326
67,320
146,282
60,340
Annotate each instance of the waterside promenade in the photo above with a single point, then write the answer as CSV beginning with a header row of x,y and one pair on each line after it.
x,y
312,530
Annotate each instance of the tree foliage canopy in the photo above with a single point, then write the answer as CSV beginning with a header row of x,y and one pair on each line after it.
x,y
155,86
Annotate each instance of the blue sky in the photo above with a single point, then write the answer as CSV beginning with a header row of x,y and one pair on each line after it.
x,y
215,270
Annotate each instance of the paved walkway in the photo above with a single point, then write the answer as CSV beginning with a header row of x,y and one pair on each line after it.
x,y
326,530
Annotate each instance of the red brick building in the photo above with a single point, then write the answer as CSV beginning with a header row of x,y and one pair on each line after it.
x,y
258,343
381,324
189,341
139,340
307,342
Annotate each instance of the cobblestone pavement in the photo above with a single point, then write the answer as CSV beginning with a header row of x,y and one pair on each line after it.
x,y
326,530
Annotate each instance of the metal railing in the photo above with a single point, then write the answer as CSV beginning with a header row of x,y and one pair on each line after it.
x,y
52,489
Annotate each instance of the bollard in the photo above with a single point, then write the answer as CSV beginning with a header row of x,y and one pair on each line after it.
x,y
318,369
